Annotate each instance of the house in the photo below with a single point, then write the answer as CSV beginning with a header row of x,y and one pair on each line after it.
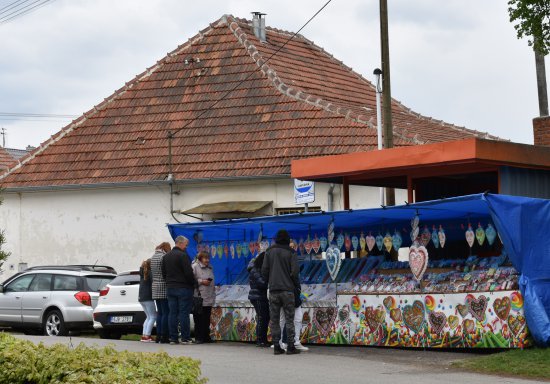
x,y
7,161
208,131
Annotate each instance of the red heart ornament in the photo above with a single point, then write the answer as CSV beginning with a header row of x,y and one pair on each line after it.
x,y
462,309
375,317
418,260
437,321
396,315
316,244
371,241
323,319
468,325
453,321
477,307
414,316
517,324
502,307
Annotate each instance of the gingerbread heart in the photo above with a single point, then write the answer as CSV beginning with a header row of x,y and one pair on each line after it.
x,y
477,307
371,241
219,250
232,250
396,240
453,321
343,314
340,240
469,326
323,319
388,243
347,242
389,302
425,237
517,324
363,242
480,234
307,246
324,242
375,317
437,321
502,307
316,245
213,251
413,316
442,237
379,242
355,242
462,309
238,248
435,238
244,248
396,315
333,261
470,236
491,234
418,260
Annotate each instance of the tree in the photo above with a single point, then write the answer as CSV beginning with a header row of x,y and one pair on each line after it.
x,y
532,18
3,255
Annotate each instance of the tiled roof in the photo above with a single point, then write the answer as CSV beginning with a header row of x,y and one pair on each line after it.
x,y
6,160
301,103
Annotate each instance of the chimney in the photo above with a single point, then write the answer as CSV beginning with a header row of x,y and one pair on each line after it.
x,y
541,130
258,25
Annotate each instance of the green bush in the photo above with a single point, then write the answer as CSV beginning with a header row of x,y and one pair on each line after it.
x,y
24,362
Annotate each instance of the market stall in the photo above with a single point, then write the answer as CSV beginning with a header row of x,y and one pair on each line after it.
x,y
477,272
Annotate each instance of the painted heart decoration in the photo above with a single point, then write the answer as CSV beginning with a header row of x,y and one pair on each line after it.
x,y
379,242
517,324
491,234
396,315
470,236
435,238
343,314
307,246
215,316
413,316
442,237
437,320
396,240
347,242
244,248
219,250
389,302
469,326
418,260
323,319
453,321
371,242
425,237
375,317
363,242
480,234
388,243
324,242
355,243
316,244
462,309
340,240
251,248
414,234
242,326
213,251
232,250
225,324
333,261
502,307
239,249
477,307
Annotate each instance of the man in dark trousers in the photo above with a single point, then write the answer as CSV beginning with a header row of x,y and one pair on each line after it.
x,y
280,269
180,283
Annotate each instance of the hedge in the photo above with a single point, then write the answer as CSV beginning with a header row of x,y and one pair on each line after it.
x,y
22,361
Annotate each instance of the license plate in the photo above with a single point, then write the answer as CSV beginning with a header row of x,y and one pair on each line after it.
x,y
121,319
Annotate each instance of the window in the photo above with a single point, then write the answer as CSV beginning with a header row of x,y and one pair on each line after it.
x,y
21,284
126,279
288,211
95,283
65,283
42,282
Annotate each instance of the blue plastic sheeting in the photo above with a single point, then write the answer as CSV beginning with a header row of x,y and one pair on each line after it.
x,y
523,224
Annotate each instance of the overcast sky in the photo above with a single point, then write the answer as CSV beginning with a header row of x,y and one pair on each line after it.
x,y
454,60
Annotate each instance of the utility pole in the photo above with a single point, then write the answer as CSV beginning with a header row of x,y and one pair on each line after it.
x,y
386,88
541,84
3,133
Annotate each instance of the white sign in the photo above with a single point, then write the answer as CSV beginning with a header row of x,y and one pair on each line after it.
x,y
304,191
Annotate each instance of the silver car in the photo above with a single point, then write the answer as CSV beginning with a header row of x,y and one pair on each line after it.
x,y
52,300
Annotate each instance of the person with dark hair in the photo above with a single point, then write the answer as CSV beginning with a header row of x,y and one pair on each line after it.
x,y
202,269
280,269
145,298
159,291
258,298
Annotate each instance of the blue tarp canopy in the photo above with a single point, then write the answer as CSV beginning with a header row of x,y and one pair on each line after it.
x,y
522,223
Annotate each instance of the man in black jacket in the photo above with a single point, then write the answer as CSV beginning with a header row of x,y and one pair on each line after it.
x,y
180,283
281,270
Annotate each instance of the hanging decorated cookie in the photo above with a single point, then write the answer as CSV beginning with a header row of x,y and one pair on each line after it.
x,y
324,243
480,234
340,240
363,242
307,245
414,234
213,250
225,249
316,244
397,240
220,250
418,260
435,237
470,236
426,236
441,236
244,248
415,221
239,250
371,242
232,250
355,243
347,242
379,242
490,233
333,261
251,248
388,244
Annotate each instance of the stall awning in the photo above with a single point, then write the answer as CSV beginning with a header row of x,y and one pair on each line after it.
x,y
229,207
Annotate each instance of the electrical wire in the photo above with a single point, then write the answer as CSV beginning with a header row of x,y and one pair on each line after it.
x,y
41,115
12,5
25,10
250,74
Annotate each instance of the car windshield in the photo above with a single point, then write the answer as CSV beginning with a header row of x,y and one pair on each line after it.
x,y
126,279
95,283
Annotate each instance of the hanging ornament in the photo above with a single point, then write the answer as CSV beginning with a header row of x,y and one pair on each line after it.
x,y
340,240
232,250
244,248
418,260
307,245
251,248
330,232
316,244
435,237
379,242
220,250
355,243
347,242
426,236
414,234
324,243
480,234
415,221
397,240
371,242
470,236
388,242
225,250
491,234
441,236
363,242
213,251
333,261
301,246
238,249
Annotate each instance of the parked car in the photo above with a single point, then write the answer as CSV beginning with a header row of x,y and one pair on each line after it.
x,y
52,300
118,311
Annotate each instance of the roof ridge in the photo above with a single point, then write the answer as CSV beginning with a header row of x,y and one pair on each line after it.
x,y
299,94
82,118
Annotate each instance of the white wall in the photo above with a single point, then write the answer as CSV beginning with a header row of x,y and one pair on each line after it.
x,y
121,226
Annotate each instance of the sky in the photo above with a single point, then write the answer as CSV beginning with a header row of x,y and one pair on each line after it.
x,y
455,60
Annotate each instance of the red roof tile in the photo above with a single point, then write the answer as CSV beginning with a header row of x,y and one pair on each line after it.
x,y
239,112
6,160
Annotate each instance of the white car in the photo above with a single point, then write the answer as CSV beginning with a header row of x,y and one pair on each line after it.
x,y
118,311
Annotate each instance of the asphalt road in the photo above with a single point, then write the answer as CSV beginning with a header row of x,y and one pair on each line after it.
x,y
246,364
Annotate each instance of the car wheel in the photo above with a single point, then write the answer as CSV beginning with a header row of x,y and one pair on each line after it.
x,y
54,325
104,334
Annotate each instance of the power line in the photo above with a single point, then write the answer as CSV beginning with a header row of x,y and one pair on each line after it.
x,y
25,10
44,115
12,5
172,134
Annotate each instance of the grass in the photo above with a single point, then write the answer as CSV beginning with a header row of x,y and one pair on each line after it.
x,y
531,363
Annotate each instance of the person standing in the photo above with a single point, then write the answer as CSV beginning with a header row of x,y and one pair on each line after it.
x,y
204,274
145,298
280,269
258,298
159,292
180,283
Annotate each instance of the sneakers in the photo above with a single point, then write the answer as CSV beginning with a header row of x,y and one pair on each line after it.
x,y
187,341
281,345
174,342
277,350
300,347
147,339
